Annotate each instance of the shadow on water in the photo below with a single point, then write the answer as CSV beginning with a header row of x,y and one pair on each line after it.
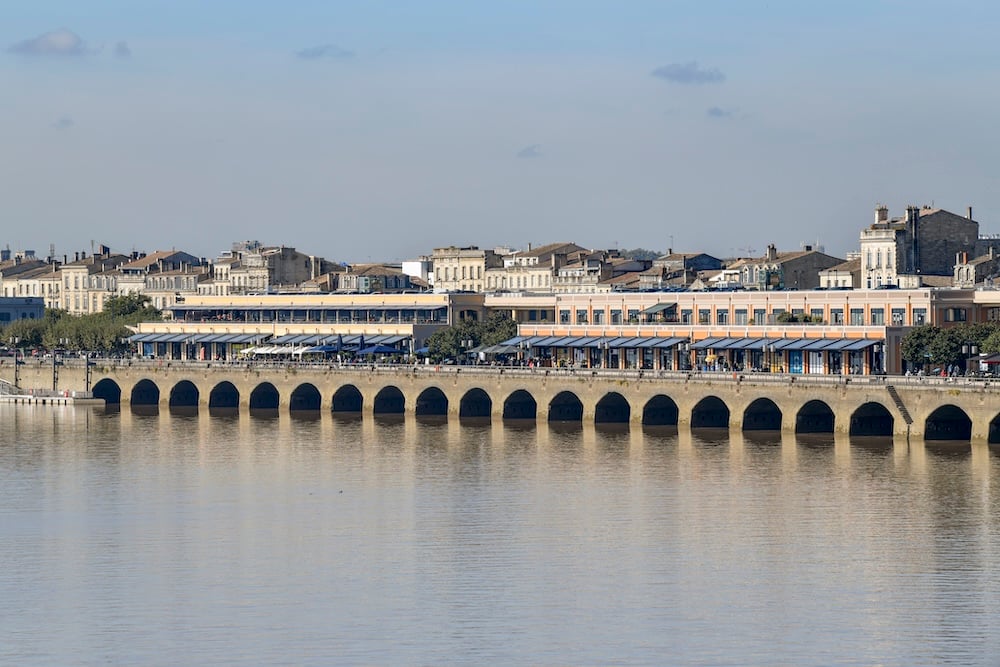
x,y
873,444
146,410
762,438
569,428
520,425
948,449
184,410
110,409
305,415
431,420
815,440
389,419
710,436
266,414
224,413
475,421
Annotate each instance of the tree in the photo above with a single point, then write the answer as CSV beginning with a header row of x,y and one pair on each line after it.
x,y
453,341
641,253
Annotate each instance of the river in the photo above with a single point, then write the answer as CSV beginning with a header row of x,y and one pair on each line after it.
x,y
242,540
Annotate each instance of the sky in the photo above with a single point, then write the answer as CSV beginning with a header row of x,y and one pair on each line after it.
x,y
376,131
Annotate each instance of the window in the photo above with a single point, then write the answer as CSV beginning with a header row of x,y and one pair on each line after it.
x,y
581,316
837,315
633,315
722,316
703,315
878,316
616,316
954,315
759,315
563,316
919,316
816,314
740,316
857,316
598,317
686,316
898,315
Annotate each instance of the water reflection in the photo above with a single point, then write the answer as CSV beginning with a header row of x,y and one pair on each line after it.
x,y
404,540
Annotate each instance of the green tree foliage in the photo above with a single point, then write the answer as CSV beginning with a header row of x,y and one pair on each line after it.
x,y
448,343
934,345
641,253
102,331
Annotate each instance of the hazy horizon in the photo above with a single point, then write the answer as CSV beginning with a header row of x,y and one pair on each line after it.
x,y
377,131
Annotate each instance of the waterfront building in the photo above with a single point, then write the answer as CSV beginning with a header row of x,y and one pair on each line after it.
x,y
846,275
796,270
89,281
13,309
463,269
250,267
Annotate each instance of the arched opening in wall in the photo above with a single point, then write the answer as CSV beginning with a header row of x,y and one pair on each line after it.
x,y
565,407
993,437
145,398
108,390
389,401
872,419
762,415
347,399
612,409
305,398
710,412
520,405
431,403
184,398
948,422
660,411
814,417
264,400
224,399
475,404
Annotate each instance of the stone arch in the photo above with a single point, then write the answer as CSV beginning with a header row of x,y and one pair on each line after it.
x,y
520,405
184,394
872,419
993,436
710,412
347,399
431,402
815,417
475,403
389,401
948,422
305,398
613,408
225,396
264,397
762,415
109,390
661,410
145,392
565,407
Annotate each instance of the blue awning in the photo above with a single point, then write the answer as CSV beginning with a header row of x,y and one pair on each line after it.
x,y
862,344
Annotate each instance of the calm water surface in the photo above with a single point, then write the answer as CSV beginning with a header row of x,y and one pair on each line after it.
x,y
167,540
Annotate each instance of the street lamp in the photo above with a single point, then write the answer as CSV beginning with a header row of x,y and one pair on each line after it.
x,y
969,350
14,341
770,357
60,343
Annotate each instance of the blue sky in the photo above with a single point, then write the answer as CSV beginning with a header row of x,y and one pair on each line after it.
x,y
378,130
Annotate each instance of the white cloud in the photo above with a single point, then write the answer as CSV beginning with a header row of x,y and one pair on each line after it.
x,y
60,42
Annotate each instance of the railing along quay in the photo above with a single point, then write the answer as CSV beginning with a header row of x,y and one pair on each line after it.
x,y
104,365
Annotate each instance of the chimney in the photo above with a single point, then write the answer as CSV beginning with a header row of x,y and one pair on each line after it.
x,y
881,213
64,259
968,213
772,252
76,256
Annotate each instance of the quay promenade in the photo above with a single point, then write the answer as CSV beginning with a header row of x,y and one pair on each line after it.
x,y
964,409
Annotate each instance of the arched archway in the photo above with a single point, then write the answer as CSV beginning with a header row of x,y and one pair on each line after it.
x,y
305,398
145,392
476,403
224,396
109,390
613,408
389,401
993,436
872,419
762,415
710,412
948,422
347,399
565,407
264,397
431,402
660,411
520,405
815,417
184,394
